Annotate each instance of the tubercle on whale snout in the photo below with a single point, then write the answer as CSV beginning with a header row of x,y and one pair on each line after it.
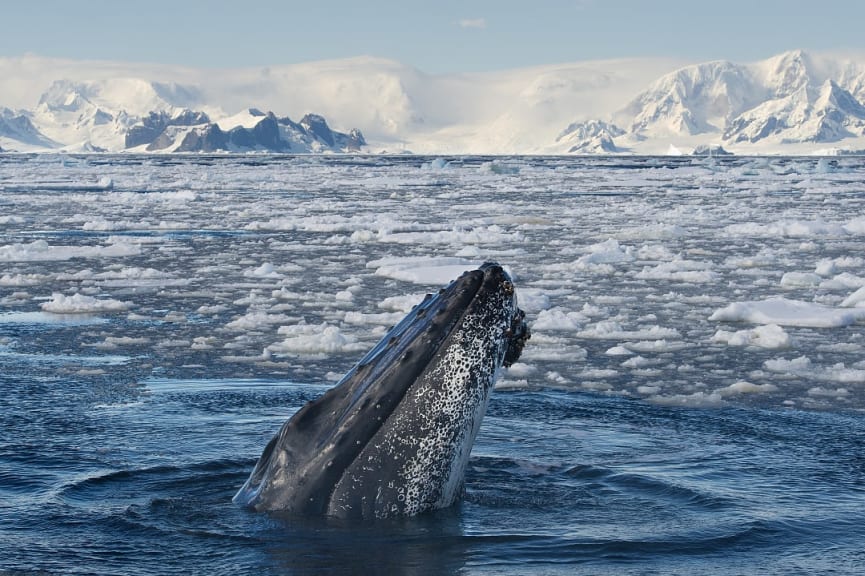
x,y
517,336
518,333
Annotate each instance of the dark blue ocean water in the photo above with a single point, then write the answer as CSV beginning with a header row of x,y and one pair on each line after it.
x,y
129,418
559,483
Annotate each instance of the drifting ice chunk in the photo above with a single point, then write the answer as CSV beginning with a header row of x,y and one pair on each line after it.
x,y
857,298
784,312
82,304
314,340
743,387
434,271
770,336
800,280
679,271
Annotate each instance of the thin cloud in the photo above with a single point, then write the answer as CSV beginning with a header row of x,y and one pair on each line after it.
x,y
476,23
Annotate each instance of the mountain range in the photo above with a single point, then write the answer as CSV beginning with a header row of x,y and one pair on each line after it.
x,y
137,115
790,100
795,103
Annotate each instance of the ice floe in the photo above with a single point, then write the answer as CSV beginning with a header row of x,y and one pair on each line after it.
x,y
82,304
769,336
784,312
41,250
312,339
427,271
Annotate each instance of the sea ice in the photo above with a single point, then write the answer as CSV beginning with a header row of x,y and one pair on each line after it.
x,y
608,252
769,336
428,271
679,271
857,298
784,312
21,279
559,319
314,340
695,400
612,330
803,367
40,250
800,280
743,387
617,259
82,304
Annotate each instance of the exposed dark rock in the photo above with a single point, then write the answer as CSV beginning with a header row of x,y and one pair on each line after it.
x,y
266,134
153,125
210,138
317,126
196,133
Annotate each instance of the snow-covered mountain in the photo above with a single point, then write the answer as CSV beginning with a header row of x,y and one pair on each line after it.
x,y
119,114
791,103
591,137
396,107
17,127
96,115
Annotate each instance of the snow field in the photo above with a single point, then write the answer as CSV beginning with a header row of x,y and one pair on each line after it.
x,y
682,282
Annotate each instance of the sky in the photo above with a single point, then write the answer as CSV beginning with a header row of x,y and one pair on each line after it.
x,y
445,36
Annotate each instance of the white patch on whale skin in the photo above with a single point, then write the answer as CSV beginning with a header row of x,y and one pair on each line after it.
x,y
467,372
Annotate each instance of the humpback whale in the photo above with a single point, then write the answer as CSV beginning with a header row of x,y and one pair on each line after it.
x,y
393,436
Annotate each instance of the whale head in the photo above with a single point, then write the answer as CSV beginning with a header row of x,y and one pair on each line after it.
x,y
393,437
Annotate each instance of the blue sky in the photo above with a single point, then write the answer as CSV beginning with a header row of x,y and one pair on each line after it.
x,y
437,37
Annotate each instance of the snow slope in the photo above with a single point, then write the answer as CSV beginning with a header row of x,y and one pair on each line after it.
x,y
791,103
795,102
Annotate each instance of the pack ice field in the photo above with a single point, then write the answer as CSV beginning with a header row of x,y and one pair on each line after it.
x,y
676,281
